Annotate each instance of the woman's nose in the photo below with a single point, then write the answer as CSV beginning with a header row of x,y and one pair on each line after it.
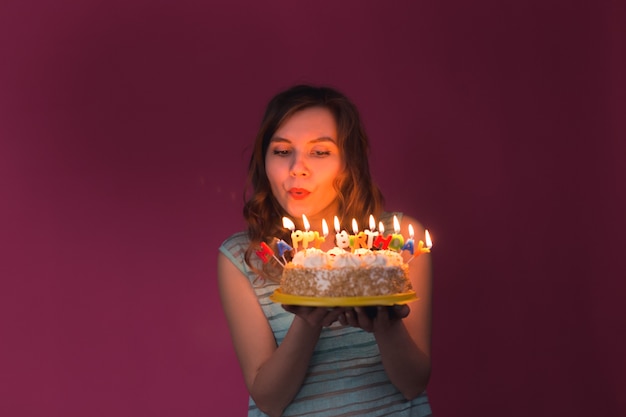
x,y
299,167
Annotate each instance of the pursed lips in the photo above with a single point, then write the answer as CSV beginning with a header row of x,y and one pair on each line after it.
x,y
298,193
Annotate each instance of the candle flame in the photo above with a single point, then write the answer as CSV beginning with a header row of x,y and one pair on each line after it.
x,y
337,225
355,226
288,224
396,225
324,228
411,232
429,243
305,221
372,222
381,228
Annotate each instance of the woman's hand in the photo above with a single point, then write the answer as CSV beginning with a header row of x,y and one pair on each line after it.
x,y
316,317
374,319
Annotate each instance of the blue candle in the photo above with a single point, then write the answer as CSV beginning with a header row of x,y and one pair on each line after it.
x,y
410,244
283,247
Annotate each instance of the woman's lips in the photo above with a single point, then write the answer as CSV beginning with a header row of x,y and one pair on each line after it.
x,y
298,193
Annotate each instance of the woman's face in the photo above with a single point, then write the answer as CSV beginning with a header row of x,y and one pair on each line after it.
x,y
303,162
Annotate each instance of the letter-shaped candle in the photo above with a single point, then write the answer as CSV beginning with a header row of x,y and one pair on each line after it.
x,y
265,252
307,236
421,248
371,233
397,240
319,240
283,247
429,243
296,235
341,238
358,239
409,245
381,242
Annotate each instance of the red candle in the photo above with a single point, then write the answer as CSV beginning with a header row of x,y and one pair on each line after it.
x,y
381,242
265,252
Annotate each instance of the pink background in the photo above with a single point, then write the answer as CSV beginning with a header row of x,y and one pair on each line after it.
x,y
124,134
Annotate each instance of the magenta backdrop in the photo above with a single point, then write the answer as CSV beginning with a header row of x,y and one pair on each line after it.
x,y
124,128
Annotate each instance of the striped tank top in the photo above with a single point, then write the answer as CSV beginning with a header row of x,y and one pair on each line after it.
x,y
345,375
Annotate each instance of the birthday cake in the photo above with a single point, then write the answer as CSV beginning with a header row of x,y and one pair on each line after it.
x,y
366,265
339,273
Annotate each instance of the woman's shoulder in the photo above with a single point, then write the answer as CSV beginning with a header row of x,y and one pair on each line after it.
x,y
236,242
388,215
403,218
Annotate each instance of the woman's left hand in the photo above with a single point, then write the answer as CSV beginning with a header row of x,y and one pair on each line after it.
x,y
374,319
315,316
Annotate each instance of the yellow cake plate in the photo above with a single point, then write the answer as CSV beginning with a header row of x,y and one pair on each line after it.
x,y
376,300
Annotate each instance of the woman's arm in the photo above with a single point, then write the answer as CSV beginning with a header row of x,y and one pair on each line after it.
x,y
404,341
273,375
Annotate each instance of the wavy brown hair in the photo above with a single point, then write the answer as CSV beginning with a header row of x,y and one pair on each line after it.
x,y
357,195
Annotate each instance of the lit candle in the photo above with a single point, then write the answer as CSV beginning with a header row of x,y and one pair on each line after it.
x,y
409,245
321,239
381,242
421,247
341,237
429,242
358,239
397,240
307,236
371,233
296,235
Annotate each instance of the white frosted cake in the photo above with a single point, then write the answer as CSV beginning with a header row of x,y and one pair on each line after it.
x,y
338,273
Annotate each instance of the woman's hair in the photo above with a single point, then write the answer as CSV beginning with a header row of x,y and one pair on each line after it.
x,y
357,195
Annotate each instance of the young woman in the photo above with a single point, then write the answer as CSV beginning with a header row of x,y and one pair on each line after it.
x,y
310,157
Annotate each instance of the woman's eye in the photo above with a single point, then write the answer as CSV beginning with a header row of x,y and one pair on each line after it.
x,y
281,152
320,153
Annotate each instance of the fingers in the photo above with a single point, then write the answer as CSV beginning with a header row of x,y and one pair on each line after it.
x,y
304,310
348,318
401,311
315,316
366,318
363,320
293,309
331,316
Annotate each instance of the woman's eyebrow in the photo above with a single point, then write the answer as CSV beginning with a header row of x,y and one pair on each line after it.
x,y
317,140
279,139
324,139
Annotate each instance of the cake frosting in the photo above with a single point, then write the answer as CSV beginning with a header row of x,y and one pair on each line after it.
x,y
339,273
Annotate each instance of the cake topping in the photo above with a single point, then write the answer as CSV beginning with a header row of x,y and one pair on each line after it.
x,y
367,248
339,258
311,258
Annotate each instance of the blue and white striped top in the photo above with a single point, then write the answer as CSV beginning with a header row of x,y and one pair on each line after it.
x,y
346,375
